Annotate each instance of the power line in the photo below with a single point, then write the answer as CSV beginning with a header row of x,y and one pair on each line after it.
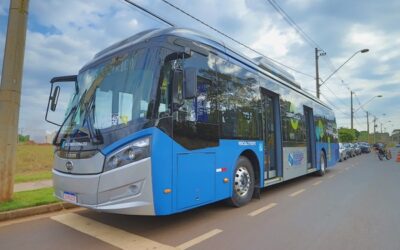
x,y
333,93
233,39
149,12
334,105
292,23
302,33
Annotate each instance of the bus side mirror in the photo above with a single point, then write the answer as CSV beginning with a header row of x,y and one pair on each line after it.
x,y
54,98
190,83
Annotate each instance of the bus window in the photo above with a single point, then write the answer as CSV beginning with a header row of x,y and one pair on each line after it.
x,y
240,102
196,121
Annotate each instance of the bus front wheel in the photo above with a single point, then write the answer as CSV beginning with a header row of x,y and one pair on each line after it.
x,y
243,183
322,164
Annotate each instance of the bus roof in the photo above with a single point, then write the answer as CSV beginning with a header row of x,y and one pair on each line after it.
x,y
260,64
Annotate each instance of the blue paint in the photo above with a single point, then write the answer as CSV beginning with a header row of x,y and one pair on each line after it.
x,y
192,174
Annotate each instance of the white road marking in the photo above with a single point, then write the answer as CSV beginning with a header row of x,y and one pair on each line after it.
x,y
331,176
199,239
111,235
317,183
297,192
262,209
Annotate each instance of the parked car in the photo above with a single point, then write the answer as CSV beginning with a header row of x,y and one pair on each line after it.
x,y
398,145
365,147
357,149
350,150
342,152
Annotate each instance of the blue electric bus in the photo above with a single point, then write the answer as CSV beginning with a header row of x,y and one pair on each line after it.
x,y
170,119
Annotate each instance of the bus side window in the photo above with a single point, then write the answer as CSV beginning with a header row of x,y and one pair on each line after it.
x,y
240,102
196,120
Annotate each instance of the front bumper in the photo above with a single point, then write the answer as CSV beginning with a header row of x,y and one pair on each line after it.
x,y
125,190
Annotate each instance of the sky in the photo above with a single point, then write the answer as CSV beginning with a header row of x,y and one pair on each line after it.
x,y
63,36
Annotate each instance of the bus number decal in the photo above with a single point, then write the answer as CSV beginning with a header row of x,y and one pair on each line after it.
x,y
247,143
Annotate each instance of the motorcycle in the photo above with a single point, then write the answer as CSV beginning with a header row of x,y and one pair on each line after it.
x,y
384,153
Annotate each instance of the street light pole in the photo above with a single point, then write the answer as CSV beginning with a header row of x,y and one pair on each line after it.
x,y
367,127
353,111
379,96
351,104
374,129
360,51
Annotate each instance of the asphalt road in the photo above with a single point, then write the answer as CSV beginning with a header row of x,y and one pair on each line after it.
x,y
356,205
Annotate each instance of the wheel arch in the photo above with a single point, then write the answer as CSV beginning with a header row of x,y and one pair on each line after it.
x,y
249,154
326,159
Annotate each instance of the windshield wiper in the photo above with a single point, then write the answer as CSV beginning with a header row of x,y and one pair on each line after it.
x,y
73,110
93,133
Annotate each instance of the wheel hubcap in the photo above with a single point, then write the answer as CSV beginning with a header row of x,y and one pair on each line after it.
x,y
242,181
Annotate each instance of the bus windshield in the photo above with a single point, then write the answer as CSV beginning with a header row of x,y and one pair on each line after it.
x,y
113,100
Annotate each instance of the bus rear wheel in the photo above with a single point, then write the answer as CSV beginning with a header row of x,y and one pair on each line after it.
x,y
322,164
243,183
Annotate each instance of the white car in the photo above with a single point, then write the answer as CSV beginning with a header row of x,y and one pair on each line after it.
x,y
342,152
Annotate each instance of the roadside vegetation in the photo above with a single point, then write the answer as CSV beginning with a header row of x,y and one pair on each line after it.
x,y
34,162
31,198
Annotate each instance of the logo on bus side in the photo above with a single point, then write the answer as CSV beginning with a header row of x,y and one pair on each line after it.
x,y
295,158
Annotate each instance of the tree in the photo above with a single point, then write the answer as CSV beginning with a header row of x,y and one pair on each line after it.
x,y
363,136
347,135
23,138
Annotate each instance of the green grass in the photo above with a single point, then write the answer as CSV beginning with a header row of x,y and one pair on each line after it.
x,y
34,162
27,177
26,199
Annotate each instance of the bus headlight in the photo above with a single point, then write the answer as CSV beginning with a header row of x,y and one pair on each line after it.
x,y
134,151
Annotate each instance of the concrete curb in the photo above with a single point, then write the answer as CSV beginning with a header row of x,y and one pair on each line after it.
x,y
24,212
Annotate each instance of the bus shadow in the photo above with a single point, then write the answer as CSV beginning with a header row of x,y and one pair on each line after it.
x,y
192,222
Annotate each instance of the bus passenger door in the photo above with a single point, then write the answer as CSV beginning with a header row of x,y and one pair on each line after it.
x,y
309,122
271,129
195,133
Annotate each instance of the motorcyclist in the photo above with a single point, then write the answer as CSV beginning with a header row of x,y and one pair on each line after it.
x,y
381,147
383,152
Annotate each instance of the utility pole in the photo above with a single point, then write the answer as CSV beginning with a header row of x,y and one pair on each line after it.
x,y
367,127
352,113
10,93
374,129
316,72
317,55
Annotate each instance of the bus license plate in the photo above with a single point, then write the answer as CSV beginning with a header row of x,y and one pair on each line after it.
x,y
71,197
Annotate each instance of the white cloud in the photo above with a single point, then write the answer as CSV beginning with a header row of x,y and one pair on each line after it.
x,y
66,35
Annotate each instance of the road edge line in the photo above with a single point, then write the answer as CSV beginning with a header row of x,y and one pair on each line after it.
x,y
262,209
199,239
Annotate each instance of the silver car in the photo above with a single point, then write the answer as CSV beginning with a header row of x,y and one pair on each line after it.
x,y
343,154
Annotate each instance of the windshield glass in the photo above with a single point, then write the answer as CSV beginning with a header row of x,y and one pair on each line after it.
x,y
112,101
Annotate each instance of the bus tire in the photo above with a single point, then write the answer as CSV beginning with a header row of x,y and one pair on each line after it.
x,y
322,165
242,183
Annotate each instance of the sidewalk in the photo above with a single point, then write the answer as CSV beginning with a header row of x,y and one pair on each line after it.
x,y
32,185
